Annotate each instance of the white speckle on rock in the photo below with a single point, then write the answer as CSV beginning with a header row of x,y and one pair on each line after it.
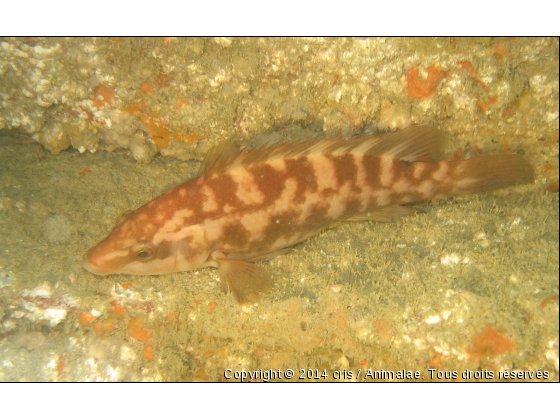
x,y
44,291
55,315
450,259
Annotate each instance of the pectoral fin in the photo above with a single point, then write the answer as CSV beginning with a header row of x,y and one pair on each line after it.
x,y
245,280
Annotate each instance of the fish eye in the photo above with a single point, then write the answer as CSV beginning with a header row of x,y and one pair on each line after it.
x,y
142,251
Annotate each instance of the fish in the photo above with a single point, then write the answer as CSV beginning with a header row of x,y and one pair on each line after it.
x,y
253,204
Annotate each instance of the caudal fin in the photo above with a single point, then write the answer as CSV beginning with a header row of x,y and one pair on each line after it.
x,y
489,173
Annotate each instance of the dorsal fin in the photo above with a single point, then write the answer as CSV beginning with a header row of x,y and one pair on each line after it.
x,y
418,143
217,156
413,144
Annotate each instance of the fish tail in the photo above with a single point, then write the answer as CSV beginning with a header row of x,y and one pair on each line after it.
x,y
489,173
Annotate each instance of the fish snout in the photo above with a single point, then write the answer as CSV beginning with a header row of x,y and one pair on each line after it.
x,y
91,264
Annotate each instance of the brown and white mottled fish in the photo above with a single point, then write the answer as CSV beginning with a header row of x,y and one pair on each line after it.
x,y
248,205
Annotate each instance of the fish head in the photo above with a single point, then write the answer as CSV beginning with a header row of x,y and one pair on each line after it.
x,y
141,245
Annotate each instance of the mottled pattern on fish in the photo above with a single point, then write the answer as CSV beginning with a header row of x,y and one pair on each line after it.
x,y
255,204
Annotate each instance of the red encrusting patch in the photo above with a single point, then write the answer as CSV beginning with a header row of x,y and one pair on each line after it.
x,y
422,89
86,319
548,300
159,131
490,342
102,95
